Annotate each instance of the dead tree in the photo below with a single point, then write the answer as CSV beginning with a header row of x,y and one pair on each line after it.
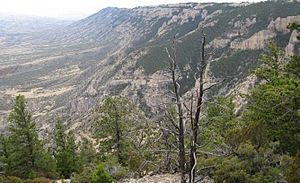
x,y
194,111
195,121
180,126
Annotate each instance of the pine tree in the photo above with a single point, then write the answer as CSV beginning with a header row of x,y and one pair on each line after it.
x,y
5,164
273,105
24,135
65,151
27,156
112,128
222,126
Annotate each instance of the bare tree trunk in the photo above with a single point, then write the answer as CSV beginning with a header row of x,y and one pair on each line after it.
x,y
195,121
181,135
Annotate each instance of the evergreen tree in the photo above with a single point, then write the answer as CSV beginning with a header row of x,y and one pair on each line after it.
x,y
5,164
245,161
250,165
65,151
112,127
222,126
273,105
26,154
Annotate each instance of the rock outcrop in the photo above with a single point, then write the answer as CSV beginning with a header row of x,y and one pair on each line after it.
x,y
290,48
257,41
260,39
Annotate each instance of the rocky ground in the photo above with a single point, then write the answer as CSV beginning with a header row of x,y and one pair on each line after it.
x,y
166,178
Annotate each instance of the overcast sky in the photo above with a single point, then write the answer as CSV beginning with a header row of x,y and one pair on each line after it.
x,y
80,8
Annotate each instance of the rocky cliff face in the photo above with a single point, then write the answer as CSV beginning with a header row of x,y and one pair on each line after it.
x,y
66,72
260,40
290,48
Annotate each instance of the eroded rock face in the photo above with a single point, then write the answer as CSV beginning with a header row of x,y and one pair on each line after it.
x,y
261,38
219,43
281,24
290,48
257,41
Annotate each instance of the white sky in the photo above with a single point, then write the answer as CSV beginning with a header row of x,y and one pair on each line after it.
x,y
80,8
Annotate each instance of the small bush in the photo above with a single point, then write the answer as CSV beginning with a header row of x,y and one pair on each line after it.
x,y
84,175
11,179
116,170
293,173
38,180
250,164
92,174
101,175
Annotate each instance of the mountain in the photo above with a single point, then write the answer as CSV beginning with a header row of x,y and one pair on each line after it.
x,y
67,70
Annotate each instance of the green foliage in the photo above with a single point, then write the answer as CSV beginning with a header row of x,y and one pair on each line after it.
x,y
5,160
298,112
112,128
24,134
236,63
231,170
47,166
115,169
153,60
273,105
100,175
65,151
124,138
250,165
270,122
206,165
38,180
293,173
84,176
24,154
222,128
222,115
10,179
272,63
